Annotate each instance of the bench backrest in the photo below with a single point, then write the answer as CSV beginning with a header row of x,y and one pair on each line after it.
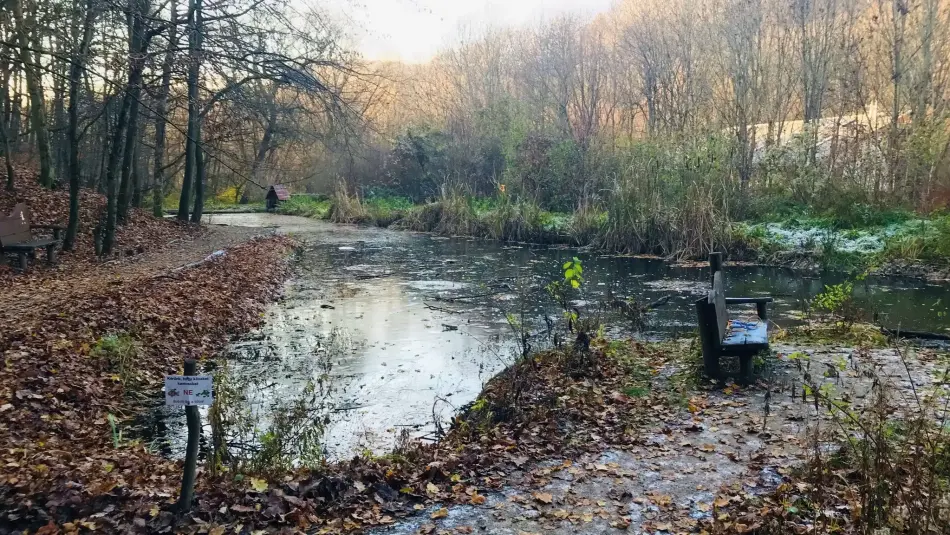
x,y
15,228
717,298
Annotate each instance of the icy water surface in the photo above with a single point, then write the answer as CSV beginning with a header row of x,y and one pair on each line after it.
x,y
405,328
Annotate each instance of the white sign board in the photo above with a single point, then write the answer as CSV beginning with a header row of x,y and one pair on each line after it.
x,y
188,390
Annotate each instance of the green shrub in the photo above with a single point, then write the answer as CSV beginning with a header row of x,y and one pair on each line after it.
x,y
928,241
306,206
384,211
118,352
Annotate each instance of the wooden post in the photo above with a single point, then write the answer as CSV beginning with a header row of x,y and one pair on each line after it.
x,y
762,309
715,264
191,454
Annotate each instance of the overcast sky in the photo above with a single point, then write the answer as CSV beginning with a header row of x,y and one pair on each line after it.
x,y
414,30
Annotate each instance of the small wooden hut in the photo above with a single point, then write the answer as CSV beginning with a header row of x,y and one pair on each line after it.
x,y
275,195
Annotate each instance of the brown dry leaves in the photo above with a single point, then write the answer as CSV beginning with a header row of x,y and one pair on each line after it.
x,y
57,458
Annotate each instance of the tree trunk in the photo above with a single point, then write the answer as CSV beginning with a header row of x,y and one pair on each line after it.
x,y
137,164
34,85
75,79
112,169
138,45
128,154
4,118
899,13
199,180
159,179
194,58
265,146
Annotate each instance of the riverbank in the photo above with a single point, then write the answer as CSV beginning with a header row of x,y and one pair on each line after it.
x,y
86,344
899,245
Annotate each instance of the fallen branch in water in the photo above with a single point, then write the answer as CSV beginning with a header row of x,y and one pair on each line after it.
x,y
366,277
440,309
462,297
659,302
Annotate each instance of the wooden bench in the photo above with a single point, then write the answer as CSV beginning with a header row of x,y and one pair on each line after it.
x,y
722,336
16,236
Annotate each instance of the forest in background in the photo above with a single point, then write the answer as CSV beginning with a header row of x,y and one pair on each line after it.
x,y
650,128
148,99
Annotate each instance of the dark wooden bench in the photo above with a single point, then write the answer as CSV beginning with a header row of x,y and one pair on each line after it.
x,y
722,336
16,236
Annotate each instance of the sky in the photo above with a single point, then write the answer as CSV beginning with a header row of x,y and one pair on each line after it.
x,y
415,30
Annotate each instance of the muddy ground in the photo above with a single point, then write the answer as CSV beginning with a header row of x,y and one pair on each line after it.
x,y
721,447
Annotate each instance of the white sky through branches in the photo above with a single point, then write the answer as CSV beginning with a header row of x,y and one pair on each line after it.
x,y
415,30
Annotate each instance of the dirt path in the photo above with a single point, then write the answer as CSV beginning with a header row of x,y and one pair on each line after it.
x,y
28,295
722,447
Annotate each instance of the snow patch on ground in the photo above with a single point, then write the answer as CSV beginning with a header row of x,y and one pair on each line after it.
x,y
849,241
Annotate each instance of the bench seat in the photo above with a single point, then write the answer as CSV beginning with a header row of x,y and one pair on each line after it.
x,y
746,334
30,246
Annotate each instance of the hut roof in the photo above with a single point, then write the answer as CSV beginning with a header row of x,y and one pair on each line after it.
x,y
281,192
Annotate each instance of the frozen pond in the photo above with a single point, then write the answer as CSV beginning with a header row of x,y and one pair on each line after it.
x,y
405,328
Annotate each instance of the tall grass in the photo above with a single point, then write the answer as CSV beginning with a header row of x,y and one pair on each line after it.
x,y
524,221
457,215
929,241
346,207
687,225
587,224
670,200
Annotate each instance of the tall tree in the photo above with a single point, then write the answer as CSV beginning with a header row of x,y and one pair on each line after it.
x,y
159,172
191,141
29,53
82,36
140,35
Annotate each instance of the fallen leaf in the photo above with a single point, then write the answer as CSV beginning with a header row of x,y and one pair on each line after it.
x,y
439,513
543,497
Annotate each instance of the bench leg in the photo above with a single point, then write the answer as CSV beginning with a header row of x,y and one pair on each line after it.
x,y
706,334
51,254
711,364
745,369
24,264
